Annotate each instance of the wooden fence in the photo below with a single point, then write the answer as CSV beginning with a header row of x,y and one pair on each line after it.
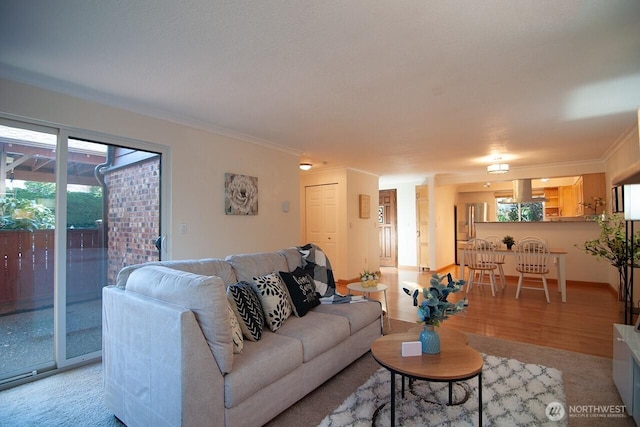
x,y
27,268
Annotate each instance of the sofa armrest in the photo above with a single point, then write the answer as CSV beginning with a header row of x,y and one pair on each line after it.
x,y
158,368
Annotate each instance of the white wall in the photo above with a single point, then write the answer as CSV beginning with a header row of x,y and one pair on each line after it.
x,y
444,244
198,161
363,251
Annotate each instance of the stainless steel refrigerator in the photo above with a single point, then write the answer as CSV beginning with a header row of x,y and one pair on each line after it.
x,y
468,215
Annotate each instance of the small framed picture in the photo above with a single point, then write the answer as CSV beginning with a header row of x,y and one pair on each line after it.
x,y
365,206
617,199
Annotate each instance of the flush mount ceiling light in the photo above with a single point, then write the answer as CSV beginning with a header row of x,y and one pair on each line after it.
x,y
498,167
305,166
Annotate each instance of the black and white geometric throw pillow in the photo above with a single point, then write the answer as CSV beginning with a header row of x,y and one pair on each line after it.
x,y
246,305
273,297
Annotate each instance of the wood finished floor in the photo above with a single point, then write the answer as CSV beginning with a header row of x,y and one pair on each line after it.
x,y
583,324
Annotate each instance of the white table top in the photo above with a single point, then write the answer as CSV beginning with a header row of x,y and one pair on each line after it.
x,y
357,286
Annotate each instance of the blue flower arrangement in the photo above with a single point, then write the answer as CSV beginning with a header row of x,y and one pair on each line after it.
x,y
434,307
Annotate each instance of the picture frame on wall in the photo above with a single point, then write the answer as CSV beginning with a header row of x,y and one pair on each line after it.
x,y
617,199
240,194
365,206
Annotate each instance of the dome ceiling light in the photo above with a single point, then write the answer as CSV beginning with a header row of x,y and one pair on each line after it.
x,y
497,167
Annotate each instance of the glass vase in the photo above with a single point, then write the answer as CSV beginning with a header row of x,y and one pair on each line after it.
x,y
430,340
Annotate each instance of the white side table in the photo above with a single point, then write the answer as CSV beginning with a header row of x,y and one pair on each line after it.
x,y
357,286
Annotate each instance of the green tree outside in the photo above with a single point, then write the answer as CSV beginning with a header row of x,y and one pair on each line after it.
x,y
83,208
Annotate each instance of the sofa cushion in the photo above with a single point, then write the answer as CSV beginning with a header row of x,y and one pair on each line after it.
x,y
260,364
236,331
301,291
359,314
204,295
247,266
316,263
318,332
273,298
248,310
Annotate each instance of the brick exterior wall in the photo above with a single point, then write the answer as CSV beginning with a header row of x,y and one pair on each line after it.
x,y
134,215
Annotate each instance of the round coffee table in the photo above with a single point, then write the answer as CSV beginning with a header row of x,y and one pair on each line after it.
x,y
357,286
455,362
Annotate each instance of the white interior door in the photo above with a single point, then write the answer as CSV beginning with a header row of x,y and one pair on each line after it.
x,y
321,209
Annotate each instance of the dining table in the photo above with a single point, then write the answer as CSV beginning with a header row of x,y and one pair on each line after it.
x,y
558,254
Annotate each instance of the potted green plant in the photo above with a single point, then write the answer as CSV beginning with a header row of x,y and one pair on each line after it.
x,y
509,241
613,246
435,308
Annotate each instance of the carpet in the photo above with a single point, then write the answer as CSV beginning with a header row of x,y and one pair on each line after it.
x,y
514,393
71,398
76,397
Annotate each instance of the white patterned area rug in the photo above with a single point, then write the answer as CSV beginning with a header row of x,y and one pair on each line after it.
x,y
514,393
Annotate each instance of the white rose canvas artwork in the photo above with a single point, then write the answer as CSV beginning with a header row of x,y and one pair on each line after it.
x,y
240,194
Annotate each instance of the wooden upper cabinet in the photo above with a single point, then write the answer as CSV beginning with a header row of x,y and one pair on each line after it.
x,y
590,194
578,199
552,203
567,201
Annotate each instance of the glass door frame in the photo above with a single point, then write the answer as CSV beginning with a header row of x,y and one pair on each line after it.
x,y
64,133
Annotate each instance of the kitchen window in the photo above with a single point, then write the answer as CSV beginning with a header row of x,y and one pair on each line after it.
x,y
509,211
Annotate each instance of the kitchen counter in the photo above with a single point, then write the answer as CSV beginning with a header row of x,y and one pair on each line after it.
x,y
553,219
568,235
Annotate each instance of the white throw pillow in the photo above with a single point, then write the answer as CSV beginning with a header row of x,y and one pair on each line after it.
x,y
273,298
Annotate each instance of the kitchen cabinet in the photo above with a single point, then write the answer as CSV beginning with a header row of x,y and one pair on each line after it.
x,y
552,202
567,200
589,190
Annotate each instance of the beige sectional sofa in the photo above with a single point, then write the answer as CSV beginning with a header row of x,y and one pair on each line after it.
x,y
168,352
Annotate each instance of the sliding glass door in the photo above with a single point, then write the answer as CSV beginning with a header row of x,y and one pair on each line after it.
x,y
27,186
60,248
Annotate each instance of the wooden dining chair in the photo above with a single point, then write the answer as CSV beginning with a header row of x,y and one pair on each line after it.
x,y
533,238
532,259
496,241
480,259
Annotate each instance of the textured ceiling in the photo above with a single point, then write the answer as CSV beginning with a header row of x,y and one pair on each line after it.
x,y
395,88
